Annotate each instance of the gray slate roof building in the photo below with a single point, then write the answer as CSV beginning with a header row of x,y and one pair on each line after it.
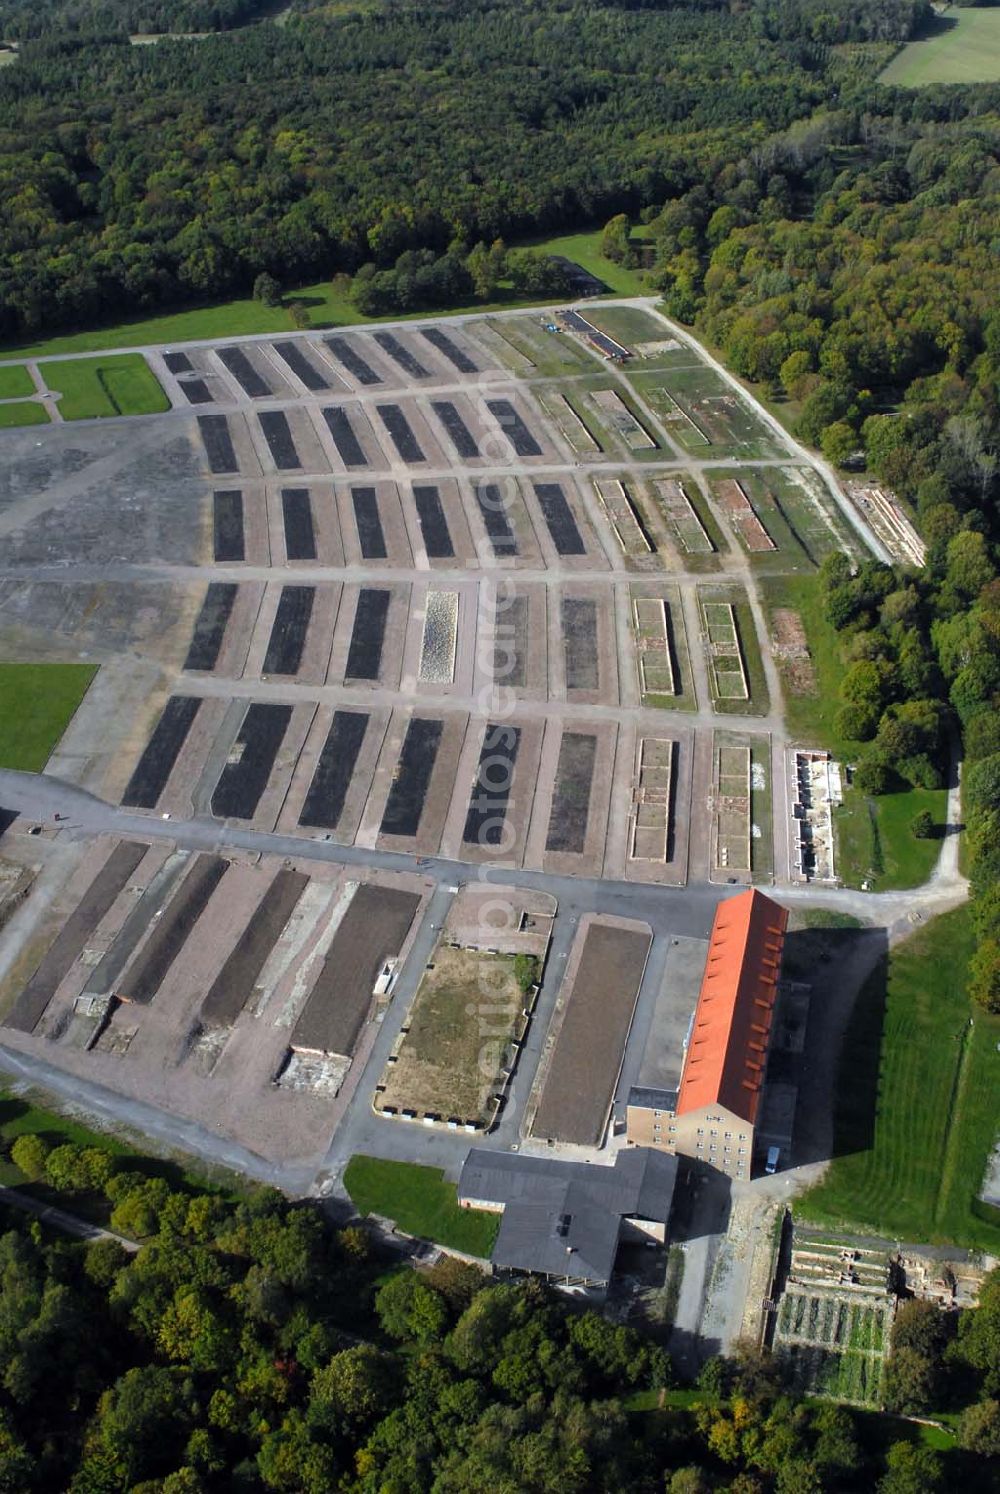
x,y
564,1219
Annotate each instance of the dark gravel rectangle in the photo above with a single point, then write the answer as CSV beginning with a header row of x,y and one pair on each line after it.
x,y
366,517
405,803
71,940
210,625
559,517
487,813
579,628
607,345
345,440
324,803
278,435
303,368
571,799
401,355
148,971
587,1059
300,536
364,657
346,355
243,780
243,371
373,929
510,641
494,511
197,392
433,523
218,443
401,433
454,354
178,363
229,992
458,432
288,632
229,541
161,752
514,427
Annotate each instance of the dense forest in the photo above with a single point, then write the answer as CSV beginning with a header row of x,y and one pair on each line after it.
x,y
852,266
134,177
248,1345
22,20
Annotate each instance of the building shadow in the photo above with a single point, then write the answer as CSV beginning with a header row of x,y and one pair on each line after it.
x,y
702,1202
829,1052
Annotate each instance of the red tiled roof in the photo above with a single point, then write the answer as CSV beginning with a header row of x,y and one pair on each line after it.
x,y
724,1064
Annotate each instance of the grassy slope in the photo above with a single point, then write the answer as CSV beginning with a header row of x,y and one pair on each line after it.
x,y
965,50
15,382
328,307
21,1116
23,412
421,1202
95,387
882,848
913,1064
37,703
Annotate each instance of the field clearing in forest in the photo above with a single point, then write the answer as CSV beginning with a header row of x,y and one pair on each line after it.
x,y
959,46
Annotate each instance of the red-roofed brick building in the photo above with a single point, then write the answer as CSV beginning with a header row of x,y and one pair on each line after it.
x,y
712,1114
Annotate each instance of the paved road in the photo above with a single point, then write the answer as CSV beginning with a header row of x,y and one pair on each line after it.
x,y
40,797
686,910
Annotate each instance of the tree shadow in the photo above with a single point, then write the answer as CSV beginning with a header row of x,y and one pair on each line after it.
x,y
690,1350
935,25
11,1109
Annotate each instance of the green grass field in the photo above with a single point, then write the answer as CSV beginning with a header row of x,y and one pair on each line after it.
x,y
23,412
421,1202
629,324
875,843
328,306
585,250
916,1100
721,422
962,46
37,703
796,519
94,387
15,382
